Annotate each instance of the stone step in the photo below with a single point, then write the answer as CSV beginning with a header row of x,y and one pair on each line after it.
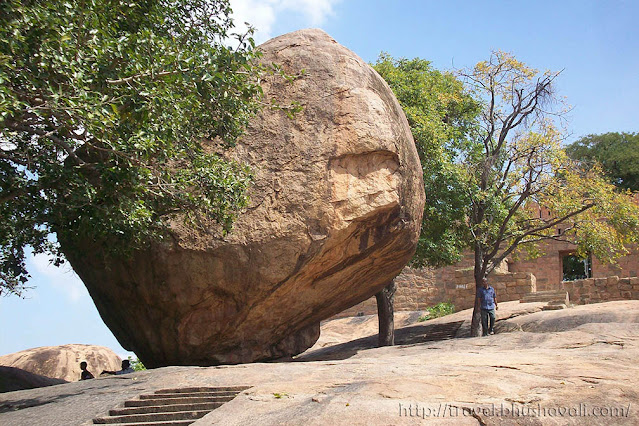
x,y
167,423
204,389
172,401
169,396
168,407
537,300
150,418
545,292
165,408
554,307
543,299
545,296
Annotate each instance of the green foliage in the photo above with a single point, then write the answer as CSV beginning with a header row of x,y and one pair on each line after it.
x,y
439,310
493,162
136,364
523,187
440,115
618,153
104,105
492,154
519,165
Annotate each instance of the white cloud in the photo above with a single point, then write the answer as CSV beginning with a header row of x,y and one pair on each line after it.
x,y
263,14
62,278
315,10
259,13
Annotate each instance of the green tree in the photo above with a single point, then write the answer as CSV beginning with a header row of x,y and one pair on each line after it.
x,y
492,155
618,153
517,164
104,105
440,114
136,364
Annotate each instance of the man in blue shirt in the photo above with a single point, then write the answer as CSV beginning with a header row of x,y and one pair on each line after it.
x,y
488,304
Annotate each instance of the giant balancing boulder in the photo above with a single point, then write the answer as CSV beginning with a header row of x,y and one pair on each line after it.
x,y
335,213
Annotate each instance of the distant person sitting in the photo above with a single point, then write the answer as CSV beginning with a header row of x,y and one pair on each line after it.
x,y
126,369
86,374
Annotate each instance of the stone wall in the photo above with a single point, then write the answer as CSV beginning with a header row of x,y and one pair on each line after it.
x,y
595,290
548,268
418,289
508,286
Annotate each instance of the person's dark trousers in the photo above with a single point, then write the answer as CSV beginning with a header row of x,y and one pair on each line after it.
x,y
487,314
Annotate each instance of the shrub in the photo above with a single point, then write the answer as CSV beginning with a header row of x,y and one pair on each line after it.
x,y
439,310
136,364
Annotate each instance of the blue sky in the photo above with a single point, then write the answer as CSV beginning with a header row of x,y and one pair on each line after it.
x,y
595,43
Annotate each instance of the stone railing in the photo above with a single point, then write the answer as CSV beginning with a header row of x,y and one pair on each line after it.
x,y
594,290
508,286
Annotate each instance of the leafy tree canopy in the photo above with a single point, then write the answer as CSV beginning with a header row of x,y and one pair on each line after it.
x,y
495,172
440,114
103,108
519,165
618,154
518,168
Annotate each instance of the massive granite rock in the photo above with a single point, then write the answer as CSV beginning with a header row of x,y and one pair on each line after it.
x,y
63,362
335,211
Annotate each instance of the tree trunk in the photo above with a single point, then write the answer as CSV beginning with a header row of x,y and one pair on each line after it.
x,y
478,274
385,315
475,323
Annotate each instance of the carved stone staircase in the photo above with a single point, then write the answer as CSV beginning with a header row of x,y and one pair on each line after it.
x,y
556,299
170,407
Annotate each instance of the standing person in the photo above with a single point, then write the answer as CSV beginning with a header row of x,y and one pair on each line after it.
x,y
488,304
86,374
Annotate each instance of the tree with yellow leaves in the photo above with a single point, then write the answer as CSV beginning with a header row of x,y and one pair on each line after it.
x,y
515,163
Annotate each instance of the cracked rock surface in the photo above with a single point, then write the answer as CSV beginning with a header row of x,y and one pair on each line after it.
x,y
581,373
336,207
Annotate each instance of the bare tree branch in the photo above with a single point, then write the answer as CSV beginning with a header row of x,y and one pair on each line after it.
x,y
555,222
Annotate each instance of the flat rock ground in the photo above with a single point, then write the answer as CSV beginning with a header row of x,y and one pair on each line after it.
x,y
573,366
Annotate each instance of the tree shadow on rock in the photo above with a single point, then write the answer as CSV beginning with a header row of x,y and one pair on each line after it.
x,y
421,333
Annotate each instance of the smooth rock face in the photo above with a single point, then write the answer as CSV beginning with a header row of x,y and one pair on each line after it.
x,y
335,211
583,358
14,379
63,362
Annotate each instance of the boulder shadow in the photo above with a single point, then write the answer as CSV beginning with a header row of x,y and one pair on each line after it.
x,y
416,334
